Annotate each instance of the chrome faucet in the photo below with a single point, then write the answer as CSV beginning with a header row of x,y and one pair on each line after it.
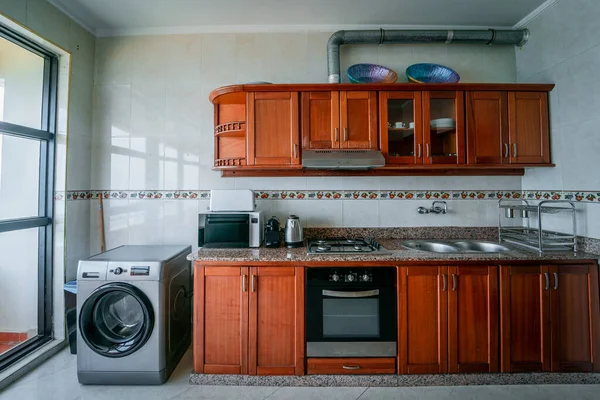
x,y
434,209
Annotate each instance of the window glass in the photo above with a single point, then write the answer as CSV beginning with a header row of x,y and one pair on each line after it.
x,y
21,85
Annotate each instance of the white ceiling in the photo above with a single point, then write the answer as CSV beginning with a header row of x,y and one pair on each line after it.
x,y
112,17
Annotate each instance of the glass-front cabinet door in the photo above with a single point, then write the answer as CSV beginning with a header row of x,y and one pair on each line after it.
x,y
443,128
401,128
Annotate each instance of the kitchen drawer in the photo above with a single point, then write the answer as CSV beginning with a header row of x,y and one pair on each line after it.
x,y
328,366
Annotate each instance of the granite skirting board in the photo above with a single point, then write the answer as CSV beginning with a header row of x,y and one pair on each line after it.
x,y
544,378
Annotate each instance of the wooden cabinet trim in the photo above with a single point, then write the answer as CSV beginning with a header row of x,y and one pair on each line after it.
x,y
227,94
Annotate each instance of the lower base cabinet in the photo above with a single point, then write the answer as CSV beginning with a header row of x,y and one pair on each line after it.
x,y
550,318
249,320
350,366
451,319
447,319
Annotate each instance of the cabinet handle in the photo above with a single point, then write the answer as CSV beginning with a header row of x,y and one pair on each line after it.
x,y
351,366
547,280
555,281
295,151
337,134
244,285
454,282
427,150
505,150
254,283
345,134
443,282
419,150
514,150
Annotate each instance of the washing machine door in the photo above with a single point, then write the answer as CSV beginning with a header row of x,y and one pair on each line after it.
x,y
116,320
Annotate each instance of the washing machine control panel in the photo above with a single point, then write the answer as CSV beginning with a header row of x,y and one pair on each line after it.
x,y
140,271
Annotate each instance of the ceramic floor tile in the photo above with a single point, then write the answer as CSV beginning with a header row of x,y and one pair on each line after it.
x,y
391,393
313,393
227,392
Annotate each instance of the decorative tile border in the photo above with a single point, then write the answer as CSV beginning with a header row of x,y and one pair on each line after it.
x,y
578,196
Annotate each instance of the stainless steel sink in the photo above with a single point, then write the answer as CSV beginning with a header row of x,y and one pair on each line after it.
x,y
455,246
434,247
480,246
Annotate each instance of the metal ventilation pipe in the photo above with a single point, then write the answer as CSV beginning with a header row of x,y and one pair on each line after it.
x,y
490,36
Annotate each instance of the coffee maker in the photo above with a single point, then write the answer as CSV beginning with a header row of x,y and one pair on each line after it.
x,y
272,233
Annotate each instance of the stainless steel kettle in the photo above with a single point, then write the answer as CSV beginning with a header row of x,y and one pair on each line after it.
x,y
294,237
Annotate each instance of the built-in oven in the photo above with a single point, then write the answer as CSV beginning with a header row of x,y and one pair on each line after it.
x,y
351,312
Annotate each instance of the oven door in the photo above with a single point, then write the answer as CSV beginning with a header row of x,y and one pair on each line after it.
x,y
351,321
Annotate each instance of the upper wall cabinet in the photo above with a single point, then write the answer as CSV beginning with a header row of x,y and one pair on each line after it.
x,y
273,130
421,129
507,127
333,120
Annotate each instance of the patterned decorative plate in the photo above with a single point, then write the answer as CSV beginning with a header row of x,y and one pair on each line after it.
x,y
371,73
431,73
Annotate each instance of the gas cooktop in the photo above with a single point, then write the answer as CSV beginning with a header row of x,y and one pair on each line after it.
x,y
346,246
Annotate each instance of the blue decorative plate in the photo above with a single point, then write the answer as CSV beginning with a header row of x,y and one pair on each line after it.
x,y
371,73
431,73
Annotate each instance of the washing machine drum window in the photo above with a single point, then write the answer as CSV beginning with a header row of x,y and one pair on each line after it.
x,y
116,320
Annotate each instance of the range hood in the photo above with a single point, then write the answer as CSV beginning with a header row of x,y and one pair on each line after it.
x,y
342,159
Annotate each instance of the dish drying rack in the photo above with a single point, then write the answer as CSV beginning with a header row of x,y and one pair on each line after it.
x,y
537,238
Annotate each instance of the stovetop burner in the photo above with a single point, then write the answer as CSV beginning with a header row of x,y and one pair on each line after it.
x,y
346,246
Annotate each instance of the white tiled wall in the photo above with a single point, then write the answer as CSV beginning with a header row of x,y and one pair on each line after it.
x,y
153,128
565,49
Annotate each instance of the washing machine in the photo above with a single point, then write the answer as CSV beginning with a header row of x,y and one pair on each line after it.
x,y
133,314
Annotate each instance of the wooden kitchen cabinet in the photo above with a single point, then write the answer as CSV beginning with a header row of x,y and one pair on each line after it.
x,y
447,319
404,144
320,120
221,320
473,319
431,131
528,128
507,127
249,320
334,120
273,136
549,318
487,128
358,120
274,348
575,318
422,320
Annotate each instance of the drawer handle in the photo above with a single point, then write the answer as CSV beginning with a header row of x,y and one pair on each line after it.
x,y
453,282
419,150
354,367
337,134
555,281
547,280
506,150
444,282
345,134
514,150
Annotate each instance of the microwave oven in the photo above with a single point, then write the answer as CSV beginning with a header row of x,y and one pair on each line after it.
x,y
230,229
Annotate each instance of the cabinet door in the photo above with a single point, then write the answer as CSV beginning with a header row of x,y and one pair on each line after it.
x,y
524,319
320,120
487,128
275,341
575,318
422,320
400,127
443,128
473,319
528,127
220,320
273,129
358,120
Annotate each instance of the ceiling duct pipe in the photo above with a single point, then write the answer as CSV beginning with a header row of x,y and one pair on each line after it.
x,y
381,36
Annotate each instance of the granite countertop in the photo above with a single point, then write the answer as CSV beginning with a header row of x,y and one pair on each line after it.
x,y
399,253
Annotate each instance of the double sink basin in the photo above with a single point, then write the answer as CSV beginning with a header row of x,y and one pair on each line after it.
x,y
455,246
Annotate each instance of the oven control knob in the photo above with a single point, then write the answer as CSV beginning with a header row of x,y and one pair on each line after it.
x,y
118,271
335,277
350,278
365,278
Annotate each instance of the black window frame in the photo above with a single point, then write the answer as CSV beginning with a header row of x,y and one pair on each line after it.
x,y
45,218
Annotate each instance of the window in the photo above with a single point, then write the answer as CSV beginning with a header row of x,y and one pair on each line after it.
x,y
28,76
